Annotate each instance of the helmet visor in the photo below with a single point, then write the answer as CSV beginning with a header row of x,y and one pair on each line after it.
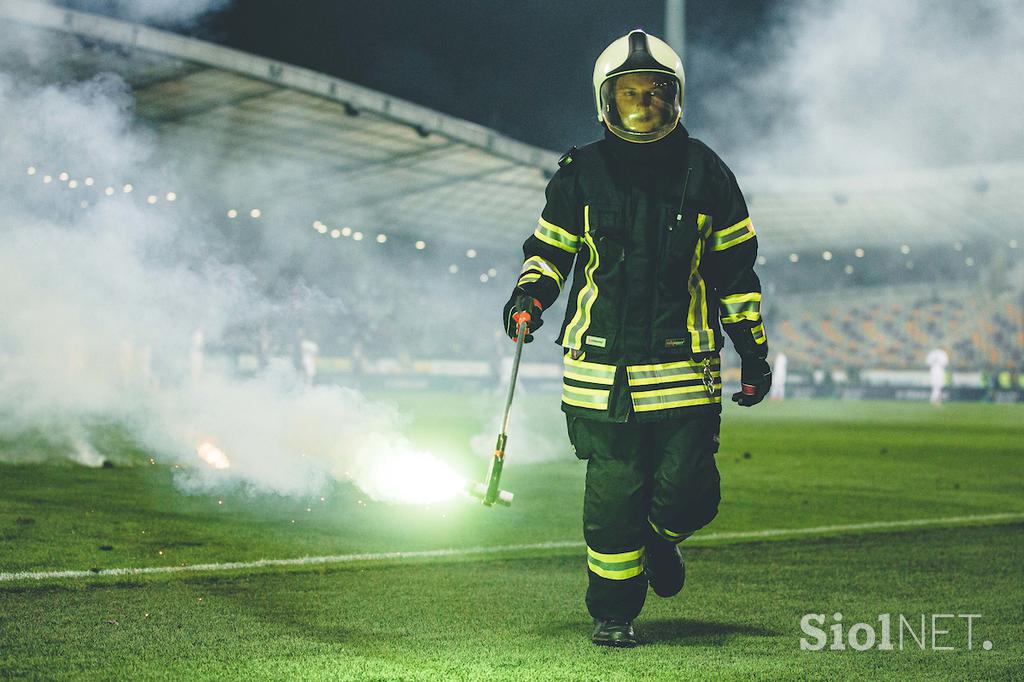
x,y
641,106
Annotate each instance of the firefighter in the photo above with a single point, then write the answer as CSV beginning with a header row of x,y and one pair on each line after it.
x,y
654,229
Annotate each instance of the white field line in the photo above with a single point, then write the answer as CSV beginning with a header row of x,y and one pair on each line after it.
x,y
504,549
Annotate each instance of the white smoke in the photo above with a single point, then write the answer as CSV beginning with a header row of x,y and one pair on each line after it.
x,y
870,85
102,292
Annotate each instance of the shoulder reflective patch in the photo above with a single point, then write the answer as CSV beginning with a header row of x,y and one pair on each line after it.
x,y
732,235
566,158
553,235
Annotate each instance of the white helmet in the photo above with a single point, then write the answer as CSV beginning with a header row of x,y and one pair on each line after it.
x,y
638,87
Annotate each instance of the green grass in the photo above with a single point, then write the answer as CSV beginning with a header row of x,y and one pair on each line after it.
x,y
520,615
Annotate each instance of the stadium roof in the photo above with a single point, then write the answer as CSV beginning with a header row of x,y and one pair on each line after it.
x,y
341,153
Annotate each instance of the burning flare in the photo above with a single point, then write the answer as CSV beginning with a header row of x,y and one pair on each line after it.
x,y
212,455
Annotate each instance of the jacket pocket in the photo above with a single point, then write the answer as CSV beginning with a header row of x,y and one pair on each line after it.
x,y
577,437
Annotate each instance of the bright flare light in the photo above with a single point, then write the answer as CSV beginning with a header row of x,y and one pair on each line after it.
x,y
212,455
409,477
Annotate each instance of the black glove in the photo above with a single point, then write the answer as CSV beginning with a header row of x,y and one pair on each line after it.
x,y
521,302
755,381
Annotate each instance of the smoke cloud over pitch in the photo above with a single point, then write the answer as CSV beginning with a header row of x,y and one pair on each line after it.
x,y
860,86
103,292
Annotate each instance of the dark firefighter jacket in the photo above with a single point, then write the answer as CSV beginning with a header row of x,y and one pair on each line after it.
x,y
650,283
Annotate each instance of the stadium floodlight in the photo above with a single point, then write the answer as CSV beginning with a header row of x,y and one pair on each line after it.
x,y
453,268
151,199
493,272
127,188
420,245
381,238
255,213
905,249
484,278
89,181
335,233
63,177
232,213
357,236
969,262
346,232
47,179
171,196
848,269
31,170
72,184
793,258
827,255
471,253
859,253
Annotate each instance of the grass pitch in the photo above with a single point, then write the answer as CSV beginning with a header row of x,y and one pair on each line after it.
x,y
519,614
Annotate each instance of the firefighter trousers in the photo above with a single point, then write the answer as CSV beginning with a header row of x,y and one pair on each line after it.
x,y
646,481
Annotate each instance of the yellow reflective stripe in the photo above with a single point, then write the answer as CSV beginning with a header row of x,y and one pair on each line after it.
x,y
731,236
702,339
752,315
758,333
545,267
670,404
591,372
527,278
647,396
669,535
666,378
642,370
552,234
588,292
741,307
621,566
591,398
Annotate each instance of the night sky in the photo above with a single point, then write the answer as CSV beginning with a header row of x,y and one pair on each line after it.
x,y
522,68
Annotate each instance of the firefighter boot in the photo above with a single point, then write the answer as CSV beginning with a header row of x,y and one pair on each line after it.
x,y
664,566
617,633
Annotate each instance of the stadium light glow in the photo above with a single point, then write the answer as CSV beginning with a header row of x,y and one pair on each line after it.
x,y
904,249
255,213
493,272
31,170
969,262
232,213
453,268
171,196
127,189
109,191
761,260
335,233
72,184
346,232
848,269
358,236
63,177
827,255
420,245
381,238
89,181
317,225
793,258
859,253
471,253
47,179
958,246
1013,243
484,278
151,199
83,203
